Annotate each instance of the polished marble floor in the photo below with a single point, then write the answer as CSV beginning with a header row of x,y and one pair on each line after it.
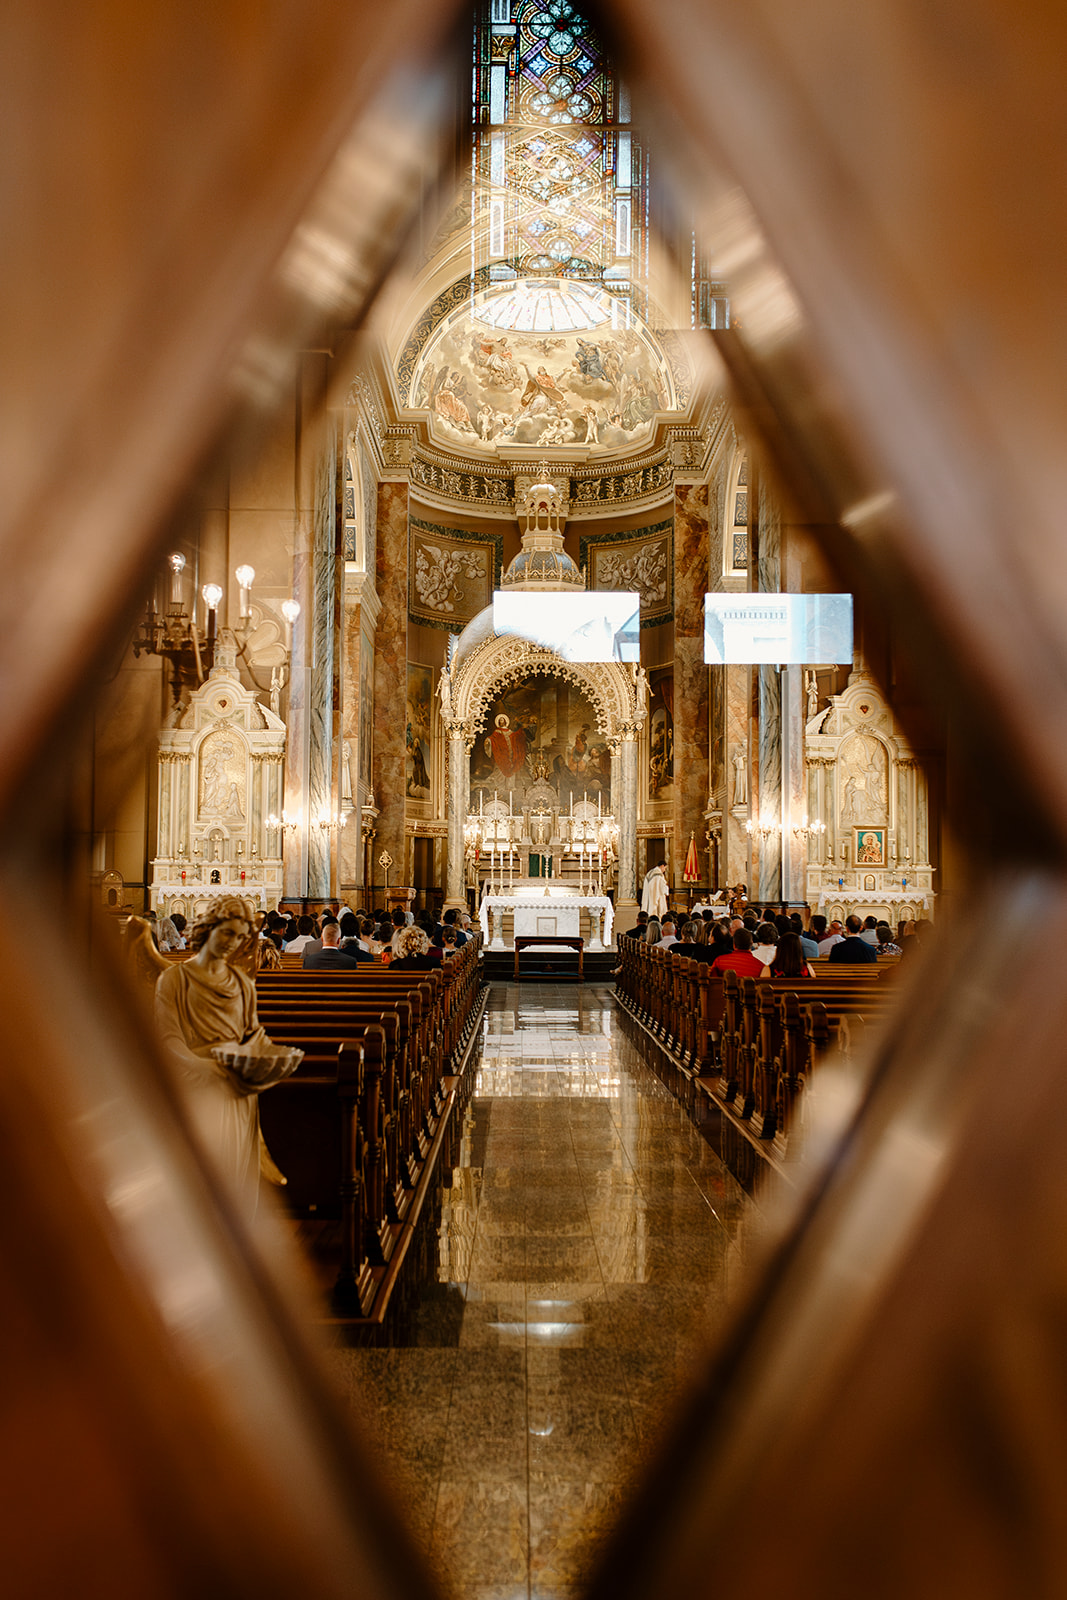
x,y
589,1239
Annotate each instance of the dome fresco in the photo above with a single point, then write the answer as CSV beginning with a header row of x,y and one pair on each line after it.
x,y
487,388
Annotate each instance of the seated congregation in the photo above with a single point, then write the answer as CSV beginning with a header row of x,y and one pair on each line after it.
x,y
735,1013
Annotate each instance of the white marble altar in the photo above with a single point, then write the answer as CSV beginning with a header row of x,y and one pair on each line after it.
x,y
221,761
545,911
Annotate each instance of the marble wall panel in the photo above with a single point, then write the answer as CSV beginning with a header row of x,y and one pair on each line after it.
x,y
770,780
389,765
691,709
735,852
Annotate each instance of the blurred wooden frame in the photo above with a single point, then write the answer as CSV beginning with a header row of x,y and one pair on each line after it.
x,y
898,349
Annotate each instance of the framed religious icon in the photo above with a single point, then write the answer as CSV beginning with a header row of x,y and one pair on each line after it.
x,y
868,847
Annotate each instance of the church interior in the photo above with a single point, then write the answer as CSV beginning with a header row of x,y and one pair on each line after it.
x,y
352,328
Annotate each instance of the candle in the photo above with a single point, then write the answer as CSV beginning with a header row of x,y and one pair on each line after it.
x,y
511,794
598,804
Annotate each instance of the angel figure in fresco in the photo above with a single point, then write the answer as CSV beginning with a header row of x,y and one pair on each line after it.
x,y
560,430
611,365
496,358
449,399
588,360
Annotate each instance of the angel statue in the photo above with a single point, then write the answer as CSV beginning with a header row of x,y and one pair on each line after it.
x,y
206,1016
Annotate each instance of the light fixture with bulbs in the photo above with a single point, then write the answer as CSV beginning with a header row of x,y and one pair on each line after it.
x,y
175,633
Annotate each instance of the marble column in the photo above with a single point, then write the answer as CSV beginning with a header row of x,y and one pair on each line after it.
x,y
390,678
359,619
769,801
794,812
768,695
691,708
164,825
458,805
626,893
324,685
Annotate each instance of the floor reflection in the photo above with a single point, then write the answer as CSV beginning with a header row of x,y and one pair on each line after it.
x,y
588,1236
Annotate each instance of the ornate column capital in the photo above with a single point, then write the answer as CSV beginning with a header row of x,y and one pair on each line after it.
x,y
464,731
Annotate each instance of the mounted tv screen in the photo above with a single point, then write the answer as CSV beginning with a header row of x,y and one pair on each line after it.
x,y
592,626
777,629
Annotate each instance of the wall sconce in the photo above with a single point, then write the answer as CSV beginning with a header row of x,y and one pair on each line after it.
x,y
765,830
283,824
810,830
329,823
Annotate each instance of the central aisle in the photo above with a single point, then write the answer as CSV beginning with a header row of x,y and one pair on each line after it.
x,y
586,1239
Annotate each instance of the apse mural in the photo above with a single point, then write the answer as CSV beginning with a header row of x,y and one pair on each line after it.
x,y
542,721
486,389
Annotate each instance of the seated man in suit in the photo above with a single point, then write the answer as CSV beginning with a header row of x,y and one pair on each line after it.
x,y
853,948
329,957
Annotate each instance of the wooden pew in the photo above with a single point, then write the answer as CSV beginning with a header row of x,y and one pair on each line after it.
x,y
774,1031
353,1126
761,1037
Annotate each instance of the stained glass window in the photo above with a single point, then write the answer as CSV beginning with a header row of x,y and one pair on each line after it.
x,y
559,173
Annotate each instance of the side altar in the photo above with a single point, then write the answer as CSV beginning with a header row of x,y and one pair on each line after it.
x,y
221,771
542,910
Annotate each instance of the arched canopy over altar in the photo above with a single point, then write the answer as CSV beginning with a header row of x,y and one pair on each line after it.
x,y
554,734
557,738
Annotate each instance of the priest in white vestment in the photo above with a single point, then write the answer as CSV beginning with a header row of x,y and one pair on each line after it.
x,y
654,893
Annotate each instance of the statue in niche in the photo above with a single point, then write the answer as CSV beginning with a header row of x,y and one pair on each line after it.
x,y
444,690
739,761
812,690
641,690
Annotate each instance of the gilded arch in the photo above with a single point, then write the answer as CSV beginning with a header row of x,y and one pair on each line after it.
x,y
500,662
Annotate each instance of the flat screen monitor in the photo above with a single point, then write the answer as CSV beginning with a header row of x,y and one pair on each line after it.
x,y
593,626
777,629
